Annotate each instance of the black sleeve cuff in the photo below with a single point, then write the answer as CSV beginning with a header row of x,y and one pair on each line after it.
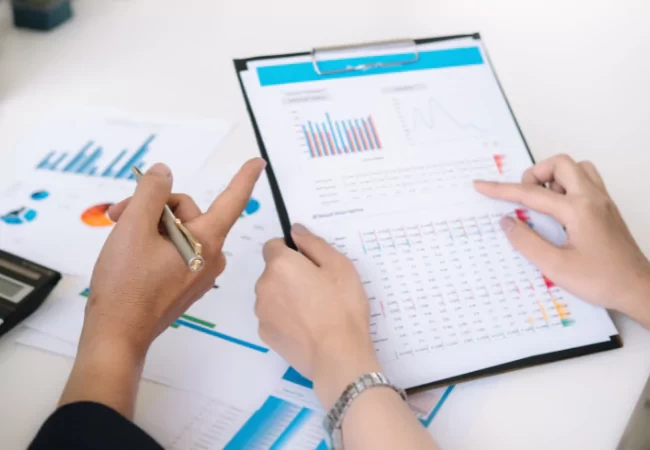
x,y
90,425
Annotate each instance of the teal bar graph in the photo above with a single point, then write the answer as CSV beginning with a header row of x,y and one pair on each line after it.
x,y
339,137
78,158
59,160
88,160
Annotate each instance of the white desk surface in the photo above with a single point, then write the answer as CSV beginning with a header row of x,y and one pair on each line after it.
x,y
575,71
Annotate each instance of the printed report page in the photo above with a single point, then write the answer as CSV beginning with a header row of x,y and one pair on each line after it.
x,y
380,162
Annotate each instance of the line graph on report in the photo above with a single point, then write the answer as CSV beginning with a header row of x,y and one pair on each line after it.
x,y
425,120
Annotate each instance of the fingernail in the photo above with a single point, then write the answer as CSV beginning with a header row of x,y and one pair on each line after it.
x,y
264,163
299,229
507,224
161,169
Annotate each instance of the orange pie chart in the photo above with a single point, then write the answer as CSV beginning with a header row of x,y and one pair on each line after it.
x,y
95,216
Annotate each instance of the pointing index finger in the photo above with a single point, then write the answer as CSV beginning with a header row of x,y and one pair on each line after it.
x,y
228,206
532,196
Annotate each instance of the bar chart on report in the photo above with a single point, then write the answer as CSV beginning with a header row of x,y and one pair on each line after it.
x,y
104,146
93,160
331,137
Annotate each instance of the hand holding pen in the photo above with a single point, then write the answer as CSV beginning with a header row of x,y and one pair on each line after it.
x,y
186,244
137,259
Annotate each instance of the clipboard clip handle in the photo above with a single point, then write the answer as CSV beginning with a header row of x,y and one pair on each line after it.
x,y
398,45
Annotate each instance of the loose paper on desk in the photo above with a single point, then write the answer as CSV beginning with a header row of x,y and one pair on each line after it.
x,y
75,165
214,348
289,418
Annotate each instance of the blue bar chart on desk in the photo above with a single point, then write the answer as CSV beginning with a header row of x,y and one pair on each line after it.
x,y
292,419
88,160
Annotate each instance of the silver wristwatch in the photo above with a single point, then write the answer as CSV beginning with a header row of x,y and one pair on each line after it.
x,y
333,420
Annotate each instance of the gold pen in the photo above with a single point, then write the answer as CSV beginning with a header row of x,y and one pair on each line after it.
x,y
189,248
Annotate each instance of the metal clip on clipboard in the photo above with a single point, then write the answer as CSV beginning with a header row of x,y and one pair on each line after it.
x,y
367,48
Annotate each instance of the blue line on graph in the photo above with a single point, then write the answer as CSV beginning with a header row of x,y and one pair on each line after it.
x,y
225,337
293,376
135,159
295,425
273,410
348,136
361,134
320,137
327,141
336,141
317,152
44,163
58,161
78,157
109,171
372,129
366,129
311,149
338,130
88,164
427,421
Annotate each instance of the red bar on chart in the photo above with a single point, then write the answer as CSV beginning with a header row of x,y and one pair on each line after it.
x,y
363,136
370,139
549,284
331,142
374,131
352,147
314,138
310,143
357,142
323,141
340,136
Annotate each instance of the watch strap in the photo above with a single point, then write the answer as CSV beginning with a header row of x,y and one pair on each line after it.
x,y
334,418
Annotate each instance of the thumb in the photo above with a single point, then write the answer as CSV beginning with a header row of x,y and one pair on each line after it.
x,y
151,196
313,247
546,256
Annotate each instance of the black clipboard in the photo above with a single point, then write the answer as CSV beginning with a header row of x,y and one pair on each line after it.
x,y
614,342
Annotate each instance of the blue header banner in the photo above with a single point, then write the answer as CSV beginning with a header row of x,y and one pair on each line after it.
x,y
303,72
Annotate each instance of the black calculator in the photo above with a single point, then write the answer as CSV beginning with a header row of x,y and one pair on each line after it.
x,y
24,286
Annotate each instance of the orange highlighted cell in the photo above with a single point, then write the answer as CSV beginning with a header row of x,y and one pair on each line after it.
x,y
561,309
95,216
541,308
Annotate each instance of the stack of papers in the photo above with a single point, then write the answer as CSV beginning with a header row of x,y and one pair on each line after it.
x,y
71,169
